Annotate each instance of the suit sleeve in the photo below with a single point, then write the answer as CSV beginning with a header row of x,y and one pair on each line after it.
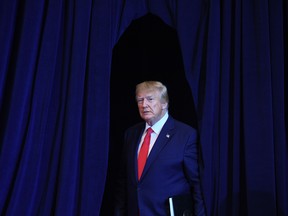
x,y
191,165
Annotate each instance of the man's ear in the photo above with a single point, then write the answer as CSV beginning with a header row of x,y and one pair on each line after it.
x,y
164,106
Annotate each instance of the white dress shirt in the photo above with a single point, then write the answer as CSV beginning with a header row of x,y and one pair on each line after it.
x,y
156,131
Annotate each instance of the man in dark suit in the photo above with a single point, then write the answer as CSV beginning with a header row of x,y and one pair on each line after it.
x,y
171,167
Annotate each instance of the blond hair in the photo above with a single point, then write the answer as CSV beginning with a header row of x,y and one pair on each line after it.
x,y
154,85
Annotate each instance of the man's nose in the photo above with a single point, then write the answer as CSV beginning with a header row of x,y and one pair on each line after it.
x,y
144,102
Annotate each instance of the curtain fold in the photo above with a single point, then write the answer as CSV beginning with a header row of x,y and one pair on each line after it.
x,y
54,107
242,120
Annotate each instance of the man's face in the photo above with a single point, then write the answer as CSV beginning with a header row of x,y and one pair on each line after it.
x,y
150,107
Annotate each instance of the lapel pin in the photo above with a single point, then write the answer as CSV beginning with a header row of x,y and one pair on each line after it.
x,y
167,135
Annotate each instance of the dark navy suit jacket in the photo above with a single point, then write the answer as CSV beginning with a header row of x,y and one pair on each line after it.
x,y
171,169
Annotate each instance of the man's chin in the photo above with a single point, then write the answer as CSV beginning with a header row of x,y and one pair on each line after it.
x,y
146,117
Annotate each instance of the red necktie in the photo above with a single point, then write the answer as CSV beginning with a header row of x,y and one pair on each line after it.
x,y
144,152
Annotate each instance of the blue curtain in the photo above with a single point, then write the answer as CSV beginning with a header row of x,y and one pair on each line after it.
x,y
55,64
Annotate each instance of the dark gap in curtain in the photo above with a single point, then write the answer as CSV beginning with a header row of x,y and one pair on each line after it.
x,y
148,50
7,80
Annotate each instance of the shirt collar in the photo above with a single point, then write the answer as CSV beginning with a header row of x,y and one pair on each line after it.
x,y
158,125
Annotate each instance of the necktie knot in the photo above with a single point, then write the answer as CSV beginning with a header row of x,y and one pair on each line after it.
x,y
149,131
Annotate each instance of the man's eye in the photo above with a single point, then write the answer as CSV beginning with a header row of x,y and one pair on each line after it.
x,y
140,100
150,99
